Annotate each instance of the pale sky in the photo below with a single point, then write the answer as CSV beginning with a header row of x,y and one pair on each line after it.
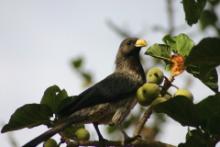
x,y
38,39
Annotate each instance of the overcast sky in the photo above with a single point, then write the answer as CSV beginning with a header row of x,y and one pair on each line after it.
x,y
38,39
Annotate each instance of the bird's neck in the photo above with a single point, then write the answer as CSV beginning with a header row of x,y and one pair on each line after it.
x,y
131,66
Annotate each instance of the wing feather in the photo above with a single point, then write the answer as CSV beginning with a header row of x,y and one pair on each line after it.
x,y
113,88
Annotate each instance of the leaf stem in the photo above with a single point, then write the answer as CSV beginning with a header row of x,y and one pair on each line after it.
x,y
160,57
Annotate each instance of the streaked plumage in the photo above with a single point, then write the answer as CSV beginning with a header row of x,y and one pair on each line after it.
x,y
110,100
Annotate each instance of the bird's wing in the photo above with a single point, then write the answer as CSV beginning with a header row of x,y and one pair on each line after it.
x,y
115,87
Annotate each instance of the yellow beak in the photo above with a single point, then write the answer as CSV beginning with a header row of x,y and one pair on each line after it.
x,y
141,43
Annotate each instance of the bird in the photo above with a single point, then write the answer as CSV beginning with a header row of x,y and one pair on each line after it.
x,y
108,101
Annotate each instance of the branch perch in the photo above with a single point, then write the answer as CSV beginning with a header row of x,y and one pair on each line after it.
x,y
142,121
139,143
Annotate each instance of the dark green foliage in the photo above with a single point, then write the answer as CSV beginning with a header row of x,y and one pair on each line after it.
x,y
203,59
206,74
214,2
200,60
193,10
208,18
180,109
28,116
78,62
209,112
205,114
206,52
197,138
31,115
53,97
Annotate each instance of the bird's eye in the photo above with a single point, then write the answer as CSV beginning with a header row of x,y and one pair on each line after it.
x,y
129,43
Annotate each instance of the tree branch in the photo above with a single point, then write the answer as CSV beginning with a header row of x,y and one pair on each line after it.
x,y
142,121
170,16
123,33
138,143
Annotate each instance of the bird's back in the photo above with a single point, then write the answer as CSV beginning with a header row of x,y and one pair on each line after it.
x,y
116,87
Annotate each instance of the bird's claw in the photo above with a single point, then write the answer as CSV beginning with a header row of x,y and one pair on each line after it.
x,y
128,139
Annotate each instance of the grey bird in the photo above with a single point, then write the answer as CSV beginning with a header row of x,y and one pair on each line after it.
x,y
108,101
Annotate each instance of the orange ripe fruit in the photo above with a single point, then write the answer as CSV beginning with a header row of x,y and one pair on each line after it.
x,y
177,66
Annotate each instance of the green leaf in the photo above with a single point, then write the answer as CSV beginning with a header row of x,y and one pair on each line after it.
x,y
209,106
180,44
206,52
213,124
202,61
77,63
209,111
169,40
87,78
180,109
206,74
208,18
196,138
214,2
159,51
193,10
29,116
53,97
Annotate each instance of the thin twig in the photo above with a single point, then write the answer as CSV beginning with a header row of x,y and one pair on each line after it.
x,y
170,17
142,121
160,57
167,84
64,138
123,33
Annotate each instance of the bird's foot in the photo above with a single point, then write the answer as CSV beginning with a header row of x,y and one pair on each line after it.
x,y
128,139
102,140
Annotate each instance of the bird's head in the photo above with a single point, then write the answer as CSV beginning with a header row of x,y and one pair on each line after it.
x,y
131,46
127,58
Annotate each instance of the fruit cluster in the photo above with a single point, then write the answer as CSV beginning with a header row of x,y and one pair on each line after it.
x,y
79,134
152,92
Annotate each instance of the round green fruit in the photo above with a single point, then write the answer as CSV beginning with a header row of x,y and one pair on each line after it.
x,y
161,99
184,92
82,134
69,132
50,143
139,94
158,100
147,93
155,75
167,96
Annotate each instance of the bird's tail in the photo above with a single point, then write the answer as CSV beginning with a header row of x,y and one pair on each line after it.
x,y
46,135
